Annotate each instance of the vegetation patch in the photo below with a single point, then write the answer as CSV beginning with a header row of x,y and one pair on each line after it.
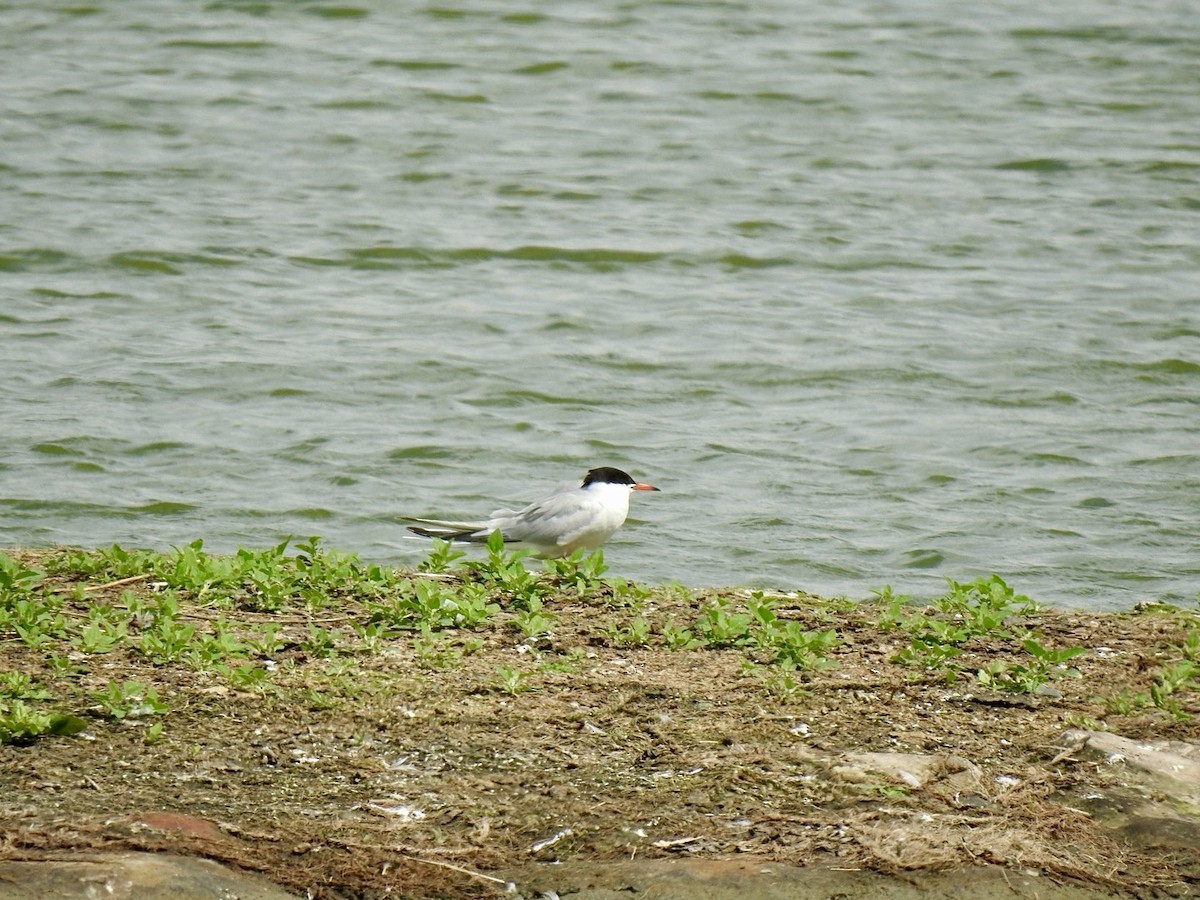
x,y
356,729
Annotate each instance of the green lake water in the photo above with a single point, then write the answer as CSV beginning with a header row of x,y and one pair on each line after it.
x,y
875,292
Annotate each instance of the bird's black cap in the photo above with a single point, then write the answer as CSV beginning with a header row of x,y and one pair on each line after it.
x,y
608,475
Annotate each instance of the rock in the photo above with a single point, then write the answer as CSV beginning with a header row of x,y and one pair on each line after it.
x,y
736,879
1171,767
1155,803
131,876
914,770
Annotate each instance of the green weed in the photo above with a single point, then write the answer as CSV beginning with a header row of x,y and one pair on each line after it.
x,y
265,642
679,637
130,699
1125,703
441,556
247,677
16,579
1045,665
20,686
429,603
372,635
512,681
778,681
581,571
634,634
719,626
37,621
622,593
319,642
166,640
534,620
435,651
113,562
985,603
506,572
1171,681
788,643
986,607
568,661
103,633
1191,645
21,723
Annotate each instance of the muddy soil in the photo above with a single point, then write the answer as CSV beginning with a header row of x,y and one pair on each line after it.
x,y
486,761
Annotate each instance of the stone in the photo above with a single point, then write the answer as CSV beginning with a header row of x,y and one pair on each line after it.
x,y
131,876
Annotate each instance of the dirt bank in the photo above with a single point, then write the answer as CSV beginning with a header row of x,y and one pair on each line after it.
x,y
321,732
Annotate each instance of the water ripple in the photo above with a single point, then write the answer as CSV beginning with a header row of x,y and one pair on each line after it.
x,y
874,299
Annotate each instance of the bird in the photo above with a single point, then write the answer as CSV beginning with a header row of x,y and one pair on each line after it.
x,y
557,525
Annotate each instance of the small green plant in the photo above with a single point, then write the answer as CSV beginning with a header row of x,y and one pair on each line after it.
x,y
435,651
679,637
778,681
1191,645
319,701
16,578
248,677
64,666
534,620
266,642
102,633
512,681
719,626
897,608
37,621
193,570
372,635
440,557
166,640
319,642
929,652
21,723
430,604
223,643
19,686
634,634
1171,681
1125,703
268,579
985,603
1052,661
787,641
568,661
505,571
985,607
323,574
113,563
790,645
581,571
624,593
131,700
471,607
1046,664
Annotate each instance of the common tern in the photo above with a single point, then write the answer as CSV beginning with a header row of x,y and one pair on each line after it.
x,y
556,525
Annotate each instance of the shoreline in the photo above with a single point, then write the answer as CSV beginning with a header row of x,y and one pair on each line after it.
x,y
351,729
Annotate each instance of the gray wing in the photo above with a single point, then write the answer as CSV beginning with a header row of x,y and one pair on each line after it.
x,y
556,520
